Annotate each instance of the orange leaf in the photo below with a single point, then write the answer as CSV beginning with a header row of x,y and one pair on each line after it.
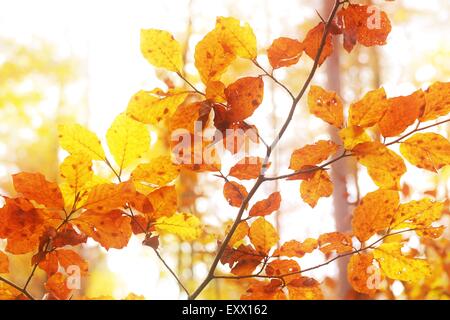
x,y
437,98
266,206
110,229
248,168
243,97
234,193
364,24
243,260
284,52
319,185
352,136
326,105
304,288
4,263
313,40
164,201
335,241
296,249
384,166
401,113
34,187
263,290
369,110
57,286
374,213
283,267
359,272
215,91
312,154
109,196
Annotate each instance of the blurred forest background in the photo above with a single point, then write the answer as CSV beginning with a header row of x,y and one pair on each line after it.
x,y
65,61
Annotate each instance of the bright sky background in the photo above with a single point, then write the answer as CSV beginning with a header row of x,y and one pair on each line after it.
x,y
105,35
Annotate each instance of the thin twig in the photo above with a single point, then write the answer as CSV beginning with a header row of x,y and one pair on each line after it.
x,y
15,286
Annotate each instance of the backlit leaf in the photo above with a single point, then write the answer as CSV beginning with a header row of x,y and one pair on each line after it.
x,y
369,110
312,154
76,139
159,171
244,96
313,40
318,186
352,136
161,49
184,225
284,52
294,248
437,98
263,235
326,105
247,168
266,206
234,193
335,241
359,271
374,213
239,38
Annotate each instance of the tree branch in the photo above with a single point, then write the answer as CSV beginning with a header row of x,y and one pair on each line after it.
x,y
22,290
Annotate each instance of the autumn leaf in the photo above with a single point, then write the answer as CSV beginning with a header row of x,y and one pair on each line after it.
x,y
304,288
266,206
238,38
352,136
369,110
437,98
248,168
384,166
212,57
416,214
313,41
287,269
265,290
429,151
242,260
326,105
399,267
127,140
189,115
294,248
215,91
239,234
184,225
284,52
4,263
161,49
401,112
364,24
66,259
359,270
76,139
153,107
76,170
111,229
244,96
374,213
164,202
234,193
318,186
263,235
56,285
312,154
35,187
335,241
159,171
109,196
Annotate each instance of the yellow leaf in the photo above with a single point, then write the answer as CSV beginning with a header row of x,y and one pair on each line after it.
x,y
105,197
369,110
352,136
152,107
160,171
211,57
76,139
76,171
240,39
384,166
239,234
374,213
161,49
320,185
184,225
326,105
429,151
127,140
304,288
397,266
263,235
417,214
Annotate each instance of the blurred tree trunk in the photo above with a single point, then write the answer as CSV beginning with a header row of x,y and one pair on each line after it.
x,y
340,169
